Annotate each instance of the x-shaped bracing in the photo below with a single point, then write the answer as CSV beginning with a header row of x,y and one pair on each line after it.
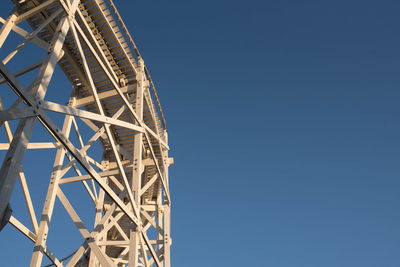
x,y
37,108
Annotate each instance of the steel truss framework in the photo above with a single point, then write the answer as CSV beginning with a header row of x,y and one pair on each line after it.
x,y
113,94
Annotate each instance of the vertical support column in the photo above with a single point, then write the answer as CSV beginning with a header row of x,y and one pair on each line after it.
x,y
167,238
166,211
137,169
93,262
48,207
160,237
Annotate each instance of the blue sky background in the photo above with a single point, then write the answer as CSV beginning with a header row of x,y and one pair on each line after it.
x,y
283,119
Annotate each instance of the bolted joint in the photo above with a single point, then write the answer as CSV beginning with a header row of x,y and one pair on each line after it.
x,y
71,16
105,164
122,82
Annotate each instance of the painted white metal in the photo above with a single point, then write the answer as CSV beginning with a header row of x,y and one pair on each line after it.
x,y
136,183
111,94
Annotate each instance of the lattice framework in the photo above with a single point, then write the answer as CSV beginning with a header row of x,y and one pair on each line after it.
x,y
113,95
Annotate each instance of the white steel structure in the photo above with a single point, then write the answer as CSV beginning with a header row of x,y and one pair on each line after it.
x,y
114,97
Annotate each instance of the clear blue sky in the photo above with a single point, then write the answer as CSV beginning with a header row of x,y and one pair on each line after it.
x,y
283,119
